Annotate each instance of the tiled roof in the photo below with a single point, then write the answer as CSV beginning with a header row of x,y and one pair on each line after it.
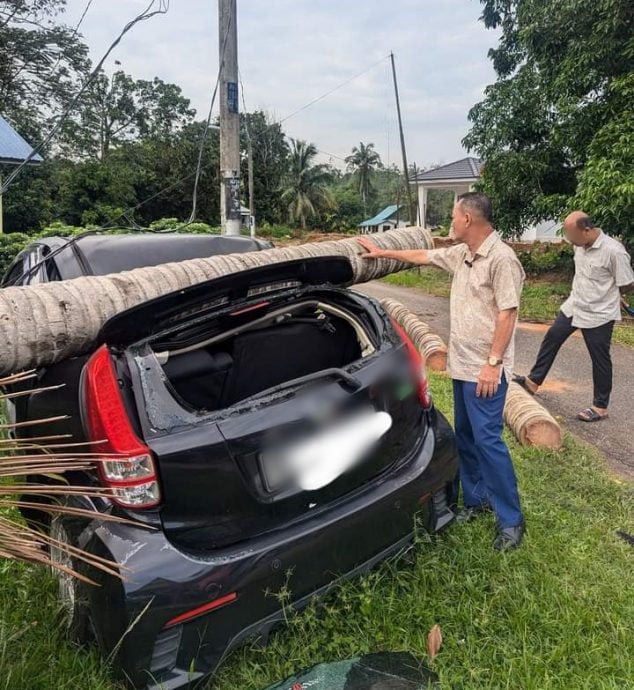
x,y
464,169
381,217
13,148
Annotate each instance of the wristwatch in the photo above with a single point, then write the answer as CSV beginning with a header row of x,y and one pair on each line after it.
x,y
495,362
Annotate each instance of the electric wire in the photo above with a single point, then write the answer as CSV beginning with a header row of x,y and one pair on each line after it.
x,y
148,13
331,91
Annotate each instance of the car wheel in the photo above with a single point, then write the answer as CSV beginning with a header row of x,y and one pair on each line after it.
x,y
71,593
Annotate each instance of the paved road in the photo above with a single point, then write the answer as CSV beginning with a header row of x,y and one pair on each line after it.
x,y
569,387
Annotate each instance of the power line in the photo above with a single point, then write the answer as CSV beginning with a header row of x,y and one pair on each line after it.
x,y
203,140
328,93
148,13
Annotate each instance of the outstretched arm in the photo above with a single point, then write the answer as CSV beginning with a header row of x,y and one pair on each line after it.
x,y
419,257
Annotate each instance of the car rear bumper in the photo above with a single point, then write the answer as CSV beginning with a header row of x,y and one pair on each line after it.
x,y
306,560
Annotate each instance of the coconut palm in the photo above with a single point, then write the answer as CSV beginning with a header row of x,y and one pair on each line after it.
x,y
306,192
363,161
47,323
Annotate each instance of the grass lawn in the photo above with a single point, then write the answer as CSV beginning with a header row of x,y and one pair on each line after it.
x,y
558,613
541,299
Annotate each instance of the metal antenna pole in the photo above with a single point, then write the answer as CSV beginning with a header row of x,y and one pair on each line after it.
x,y
403,151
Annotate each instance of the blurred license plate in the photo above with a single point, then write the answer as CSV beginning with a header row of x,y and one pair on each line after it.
x,y
312,463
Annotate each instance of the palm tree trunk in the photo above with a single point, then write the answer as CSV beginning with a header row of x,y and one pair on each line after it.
x,y
46,323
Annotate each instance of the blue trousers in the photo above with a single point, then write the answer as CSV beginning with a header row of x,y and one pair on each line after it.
x,y
486,469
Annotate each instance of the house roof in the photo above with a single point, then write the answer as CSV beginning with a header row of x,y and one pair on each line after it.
x,y
464,169
381,217
13,148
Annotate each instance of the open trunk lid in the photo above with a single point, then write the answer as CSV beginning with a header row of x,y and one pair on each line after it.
x,y
149,317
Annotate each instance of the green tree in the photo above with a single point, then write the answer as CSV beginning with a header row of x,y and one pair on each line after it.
x,y
306,191
557,65
363,161
121,109
270,163
41,63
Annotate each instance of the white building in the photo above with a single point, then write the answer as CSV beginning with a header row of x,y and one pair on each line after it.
x,y
460,177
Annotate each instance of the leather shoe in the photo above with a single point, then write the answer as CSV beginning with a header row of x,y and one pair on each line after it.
x,y
509,538
469,513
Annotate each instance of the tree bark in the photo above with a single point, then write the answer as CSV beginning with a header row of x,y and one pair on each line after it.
x,y
43,324
431,346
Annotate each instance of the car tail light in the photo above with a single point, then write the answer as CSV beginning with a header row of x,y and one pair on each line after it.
x,y
128,466
418,365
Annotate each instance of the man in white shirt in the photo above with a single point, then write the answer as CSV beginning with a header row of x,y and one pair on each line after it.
x,y
603,272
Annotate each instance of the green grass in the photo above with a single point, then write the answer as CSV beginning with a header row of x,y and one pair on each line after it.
x,y
541,298
556,614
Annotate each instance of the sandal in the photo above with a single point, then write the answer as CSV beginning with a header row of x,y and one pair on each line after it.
x,y
521,381
590,415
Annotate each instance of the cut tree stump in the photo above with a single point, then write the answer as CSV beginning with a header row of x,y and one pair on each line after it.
x,y
531,422
46,323
430,345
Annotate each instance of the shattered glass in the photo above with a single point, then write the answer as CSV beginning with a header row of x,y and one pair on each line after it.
x,y
381,671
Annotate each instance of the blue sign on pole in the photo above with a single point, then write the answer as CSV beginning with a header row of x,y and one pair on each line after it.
x,y
232,97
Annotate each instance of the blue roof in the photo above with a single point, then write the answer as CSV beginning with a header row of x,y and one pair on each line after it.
x,y
13,148
381,217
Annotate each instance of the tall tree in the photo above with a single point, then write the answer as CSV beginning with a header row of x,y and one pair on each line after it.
x,y
559,65
121,109
41,63
270,163
363,161
306,191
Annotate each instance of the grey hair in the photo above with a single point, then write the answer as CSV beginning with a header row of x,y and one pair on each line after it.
x,y
478,203
585,223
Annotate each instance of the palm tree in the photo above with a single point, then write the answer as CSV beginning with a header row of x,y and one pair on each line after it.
x,y
43,324
306,191
363,161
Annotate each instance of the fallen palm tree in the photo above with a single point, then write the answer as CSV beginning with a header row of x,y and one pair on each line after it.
x,y
43,324
430,345
531,423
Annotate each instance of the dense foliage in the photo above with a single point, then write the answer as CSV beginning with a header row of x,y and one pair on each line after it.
x,y
127,154
556,129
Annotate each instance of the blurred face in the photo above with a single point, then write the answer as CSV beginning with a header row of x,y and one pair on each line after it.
x,y
460,222
575,235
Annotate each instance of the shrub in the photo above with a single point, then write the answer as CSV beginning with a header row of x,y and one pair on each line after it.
x,y
547,258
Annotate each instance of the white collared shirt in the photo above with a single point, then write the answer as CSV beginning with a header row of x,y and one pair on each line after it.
x,y
600,270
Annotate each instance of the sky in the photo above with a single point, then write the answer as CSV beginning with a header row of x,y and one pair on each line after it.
x,y
294,51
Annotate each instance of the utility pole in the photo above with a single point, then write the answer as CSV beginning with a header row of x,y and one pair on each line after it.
x,y
229,119
403,151
251,187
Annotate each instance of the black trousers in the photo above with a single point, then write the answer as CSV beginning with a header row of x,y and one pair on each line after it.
x,y
598,341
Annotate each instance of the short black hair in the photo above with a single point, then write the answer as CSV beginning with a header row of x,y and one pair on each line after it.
x,y
479,203
585,223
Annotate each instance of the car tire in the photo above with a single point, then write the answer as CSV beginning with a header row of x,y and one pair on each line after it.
x,y
71,592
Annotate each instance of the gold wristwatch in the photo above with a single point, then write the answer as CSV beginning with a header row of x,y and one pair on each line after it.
x,y
494,361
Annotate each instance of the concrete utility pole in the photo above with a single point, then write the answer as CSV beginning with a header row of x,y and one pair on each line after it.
x,y
410,207
229,119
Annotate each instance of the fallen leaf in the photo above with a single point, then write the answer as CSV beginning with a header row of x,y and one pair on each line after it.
x,y
434,641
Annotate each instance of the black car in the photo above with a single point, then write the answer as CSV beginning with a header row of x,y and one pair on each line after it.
x,y
273,430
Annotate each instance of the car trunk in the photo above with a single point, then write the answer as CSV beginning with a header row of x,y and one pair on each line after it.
x,y
266,404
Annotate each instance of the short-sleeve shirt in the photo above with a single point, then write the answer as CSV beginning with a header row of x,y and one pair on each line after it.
x,y
483,285
600,270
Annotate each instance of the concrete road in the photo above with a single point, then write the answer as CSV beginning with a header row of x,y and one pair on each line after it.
x,y
567,391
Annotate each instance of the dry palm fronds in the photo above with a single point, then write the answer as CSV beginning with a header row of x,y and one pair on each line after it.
x,y
28,457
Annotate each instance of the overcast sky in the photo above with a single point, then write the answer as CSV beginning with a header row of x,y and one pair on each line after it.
x,y
293,51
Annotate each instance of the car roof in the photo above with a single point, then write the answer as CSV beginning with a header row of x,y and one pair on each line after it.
x,y
104,254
